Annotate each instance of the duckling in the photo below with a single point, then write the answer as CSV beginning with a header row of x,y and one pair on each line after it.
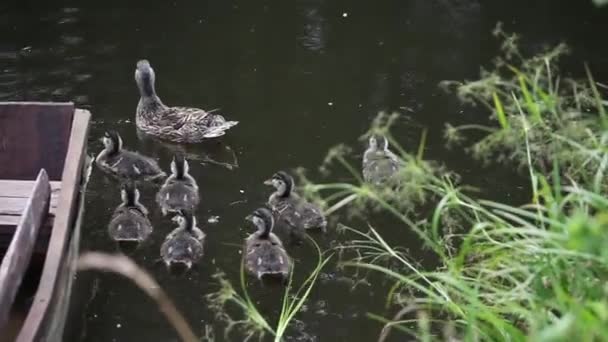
x,y
125,164
264,254
379,163
184,245
289,206
177,124
130,219
180,191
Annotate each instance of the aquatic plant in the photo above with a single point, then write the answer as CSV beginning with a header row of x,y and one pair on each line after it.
x,y
562,118
254,323
534,272
416,182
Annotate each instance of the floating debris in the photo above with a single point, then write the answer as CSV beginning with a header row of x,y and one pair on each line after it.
x,y
213,219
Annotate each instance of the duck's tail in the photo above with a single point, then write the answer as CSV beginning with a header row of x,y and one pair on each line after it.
x,y
219,130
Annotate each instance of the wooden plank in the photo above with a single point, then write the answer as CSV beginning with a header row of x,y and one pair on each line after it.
x,y
34,136
13,206
8,224
71,177
17,258
18,192
22,188
60,303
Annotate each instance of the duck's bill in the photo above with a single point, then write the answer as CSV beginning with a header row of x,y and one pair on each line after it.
x,y
249,218
268,182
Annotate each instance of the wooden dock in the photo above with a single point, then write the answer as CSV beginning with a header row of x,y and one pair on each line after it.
x,y
42,158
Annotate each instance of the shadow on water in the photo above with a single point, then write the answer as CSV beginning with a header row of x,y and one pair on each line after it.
x,y
300,76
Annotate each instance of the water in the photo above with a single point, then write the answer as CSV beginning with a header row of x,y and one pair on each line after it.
x,y
300,76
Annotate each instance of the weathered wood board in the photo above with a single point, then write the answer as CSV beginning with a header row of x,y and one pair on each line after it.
x,y
13,198
56,279
17,258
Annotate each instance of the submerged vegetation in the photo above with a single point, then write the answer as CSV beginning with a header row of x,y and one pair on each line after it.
x,y
532,272
253,323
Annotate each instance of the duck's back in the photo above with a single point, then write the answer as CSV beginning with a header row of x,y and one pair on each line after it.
x,y
266,256
134,165
181,245
379,167
178,194
183,124
129,224
297,212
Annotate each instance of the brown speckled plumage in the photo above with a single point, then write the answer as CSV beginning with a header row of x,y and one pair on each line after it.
x,y
177,124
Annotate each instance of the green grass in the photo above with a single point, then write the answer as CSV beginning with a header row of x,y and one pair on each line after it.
x,y
252,322
507,273
535,272
563,118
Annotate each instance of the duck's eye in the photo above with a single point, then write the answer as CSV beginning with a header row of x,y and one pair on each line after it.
x,y
273,243
257,245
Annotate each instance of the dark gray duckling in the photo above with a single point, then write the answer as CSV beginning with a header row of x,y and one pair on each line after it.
x,y
125,164
177,124
184,245
293,209
130,221
180,191
264,254
379,163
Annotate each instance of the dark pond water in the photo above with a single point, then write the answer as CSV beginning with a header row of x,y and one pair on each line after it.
x,y
300,76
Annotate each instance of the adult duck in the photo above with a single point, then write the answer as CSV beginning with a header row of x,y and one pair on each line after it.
x,y
177,124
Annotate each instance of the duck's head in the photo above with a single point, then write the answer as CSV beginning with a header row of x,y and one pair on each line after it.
x,y
129,194
262,218
112,141
179,166
185,219
377,142
283,182
145,77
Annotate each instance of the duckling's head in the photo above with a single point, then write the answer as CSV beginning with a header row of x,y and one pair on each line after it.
x,y
377,142
283,182
112,142
145,77
129,194
185,219
179,166
262,218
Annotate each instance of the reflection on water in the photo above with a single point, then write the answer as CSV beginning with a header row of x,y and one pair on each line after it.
x,y
300,77
53,68
209,152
